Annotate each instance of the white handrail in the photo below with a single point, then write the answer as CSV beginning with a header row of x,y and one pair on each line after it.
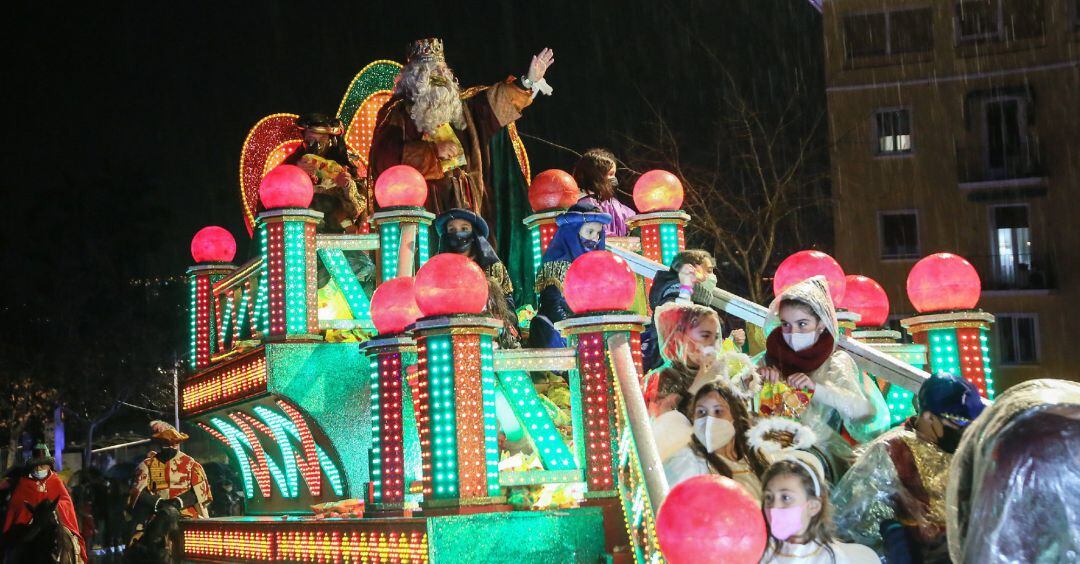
x,y
879,364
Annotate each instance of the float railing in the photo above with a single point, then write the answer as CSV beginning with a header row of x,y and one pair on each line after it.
x,y
338,255
867,358
642,483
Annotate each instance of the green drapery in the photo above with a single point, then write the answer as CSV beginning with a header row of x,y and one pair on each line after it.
x,y
511,196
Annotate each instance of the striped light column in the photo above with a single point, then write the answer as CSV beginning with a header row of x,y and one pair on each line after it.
x,y
287,299
455,411
591,387
958,343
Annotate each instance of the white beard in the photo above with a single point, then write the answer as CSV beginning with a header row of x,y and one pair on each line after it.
x,y
432,105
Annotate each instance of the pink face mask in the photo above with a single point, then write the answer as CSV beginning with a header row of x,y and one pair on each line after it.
x,y
785,522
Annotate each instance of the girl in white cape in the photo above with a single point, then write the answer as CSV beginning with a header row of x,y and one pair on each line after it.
x,y
802,351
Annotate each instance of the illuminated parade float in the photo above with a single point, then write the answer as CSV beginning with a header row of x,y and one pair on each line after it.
x,y
355,383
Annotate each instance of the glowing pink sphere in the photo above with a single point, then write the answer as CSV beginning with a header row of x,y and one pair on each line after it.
x,y
806,264
553,189
286,186
710,519
450,283
658,190
393,305
599,281
943,282
401,185
213,244
867,298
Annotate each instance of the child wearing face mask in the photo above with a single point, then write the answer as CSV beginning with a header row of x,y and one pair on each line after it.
x,y
893,497
718,444
595,176
796,507
581,230
802,352
687,340
463,232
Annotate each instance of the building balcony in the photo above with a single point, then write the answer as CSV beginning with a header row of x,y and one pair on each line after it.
x,y
1014,272
981,168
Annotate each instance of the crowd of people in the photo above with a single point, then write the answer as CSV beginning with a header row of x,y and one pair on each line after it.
x,y
91,515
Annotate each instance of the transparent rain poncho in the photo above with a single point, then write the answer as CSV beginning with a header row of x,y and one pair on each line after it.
x,y
1014,483
843,390
872,491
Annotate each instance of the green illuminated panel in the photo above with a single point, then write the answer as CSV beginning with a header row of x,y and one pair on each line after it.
x,y
984,338
491,426
530,412
423,233
442,410
537,254
669,242
389,239
296,314
261,315
194,321
338,267
944,351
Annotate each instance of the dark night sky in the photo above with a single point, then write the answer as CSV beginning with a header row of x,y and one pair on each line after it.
x,y
126,124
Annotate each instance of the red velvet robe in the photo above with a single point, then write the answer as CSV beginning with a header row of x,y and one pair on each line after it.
x,y
33,492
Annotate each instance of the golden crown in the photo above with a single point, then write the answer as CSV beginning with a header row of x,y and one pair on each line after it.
x,y
430,49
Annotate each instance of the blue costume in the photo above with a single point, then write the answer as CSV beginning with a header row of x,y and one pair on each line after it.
x,y
566,246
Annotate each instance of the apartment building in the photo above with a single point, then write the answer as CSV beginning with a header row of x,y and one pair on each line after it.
x,y
955,126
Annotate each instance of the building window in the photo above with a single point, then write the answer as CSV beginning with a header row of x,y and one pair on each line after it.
x,y
899,234
892,128
1018,338
1006,144
1011,231
978,20
888,33
995,20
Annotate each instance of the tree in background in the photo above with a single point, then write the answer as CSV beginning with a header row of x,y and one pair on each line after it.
x,y
756,191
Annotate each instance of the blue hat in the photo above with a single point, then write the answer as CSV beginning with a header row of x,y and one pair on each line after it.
x,y
581,213
950,397
479,225
566,244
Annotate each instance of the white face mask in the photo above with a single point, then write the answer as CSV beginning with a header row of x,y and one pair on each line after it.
x,y
800,341
713,432
39,474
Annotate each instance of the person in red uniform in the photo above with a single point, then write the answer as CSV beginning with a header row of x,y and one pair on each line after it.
x,y
41,484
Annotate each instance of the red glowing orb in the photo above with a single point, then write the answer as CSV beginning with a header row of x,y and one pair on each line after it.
x,y
213,244
806,264
450,283
599,281
867,298
658,190
393,305
943,282
286,186
710,518
401,185
553,189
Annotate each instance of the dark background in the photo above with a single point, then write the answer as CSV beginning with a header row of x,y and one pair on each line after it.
x,y
125,121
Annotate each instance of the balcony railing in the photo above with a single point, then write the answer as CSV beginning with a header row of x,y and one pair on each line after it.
x,y
1028,271
976,168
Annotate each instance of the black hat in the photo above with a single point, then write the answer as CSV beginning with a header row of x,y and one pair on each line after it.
x,y
479,225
